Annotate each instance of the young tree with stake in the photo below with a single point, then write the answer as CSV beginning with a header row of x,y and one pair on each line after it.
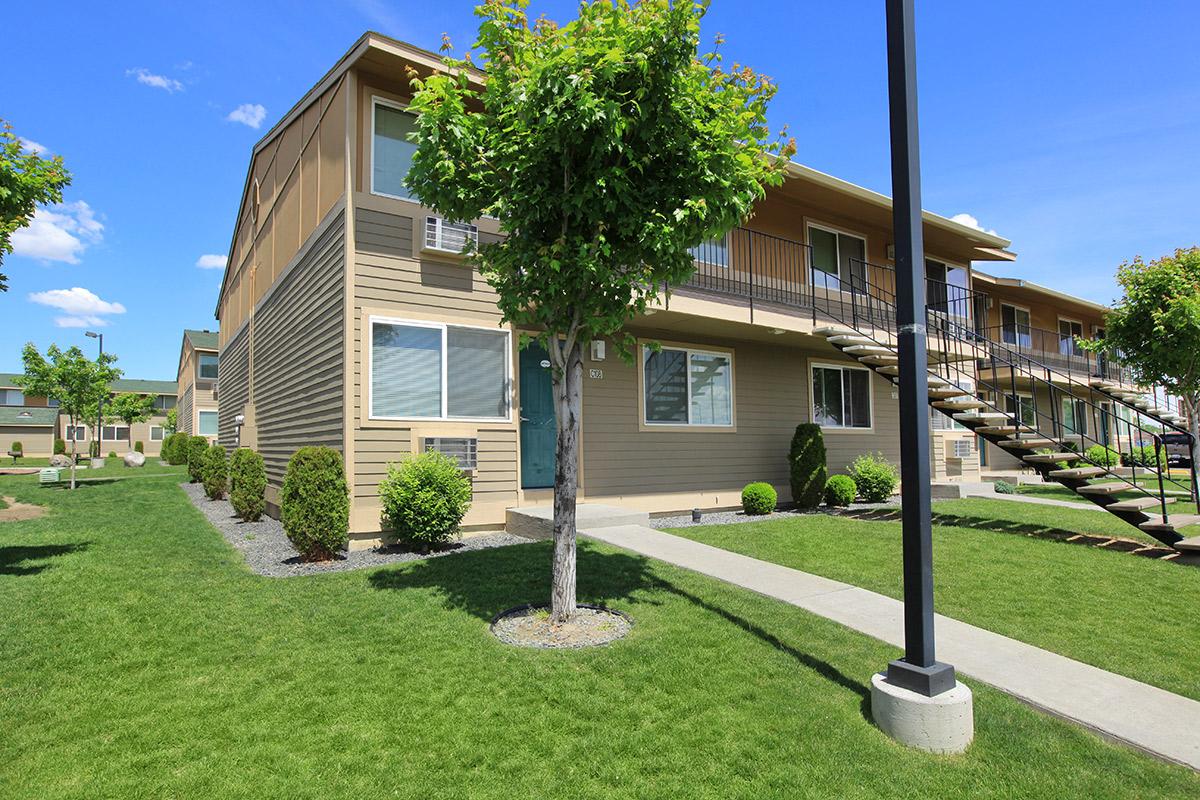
x,y
606,148
130,408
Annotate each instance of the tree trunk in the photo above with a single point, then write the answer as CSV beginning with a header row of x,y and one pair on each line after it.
x,y
568,403
1191,407
74,449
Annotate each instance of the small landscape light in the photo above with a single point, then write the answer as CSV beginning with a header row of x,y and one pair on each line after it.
x,y
695,515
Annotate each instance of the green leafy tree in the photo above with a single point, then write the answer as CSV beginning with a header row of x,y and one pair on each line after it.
x,y
606,148
74,380
172,423
1155,329
129,408
26,181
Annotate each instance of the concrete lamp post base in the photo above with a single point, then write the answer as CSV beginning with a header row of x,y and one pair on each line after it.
x,y
944,723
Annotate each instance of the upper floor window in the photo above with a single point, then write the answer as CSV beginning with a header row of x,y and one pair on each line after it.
x,y
687,387
946,289
164,402
1014,326
713,252
838,259
206,366
391,151
52,402
12,397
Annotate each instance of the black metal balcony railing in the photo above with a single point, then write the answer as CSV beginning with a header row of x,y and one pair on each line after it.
x,y
1057,350
753,266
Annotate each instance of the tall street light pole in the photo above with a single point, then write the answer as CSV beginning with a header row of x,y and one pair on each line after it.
x,y
100,402
918,701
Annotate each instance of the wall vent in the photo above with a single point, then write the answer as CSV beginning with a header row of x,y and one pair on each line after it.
x,y
462,450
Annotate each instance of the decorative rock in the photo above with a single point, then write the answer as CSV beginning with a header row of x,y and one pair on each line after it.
x,y
134,459
60,461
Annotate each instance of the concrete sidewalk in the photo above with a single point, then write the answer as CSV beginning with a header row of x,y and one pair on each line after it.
x,y
1142,716
1039,501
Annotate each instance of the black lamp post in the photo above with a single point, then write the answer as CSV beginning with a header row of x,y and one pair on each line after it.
x,y
918,670
100,401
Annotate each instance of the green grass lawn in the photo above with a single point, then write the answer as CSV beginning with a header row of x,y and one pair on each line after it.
x,y
1117,611
140,658
1056,491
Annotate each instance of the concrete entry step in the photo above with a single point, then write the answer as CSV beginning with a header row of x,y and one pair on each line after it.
x,y
537,522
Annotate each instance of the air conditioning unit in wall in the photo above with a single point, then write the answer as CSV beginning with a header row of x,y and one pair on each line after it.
x,y
462,450
449,237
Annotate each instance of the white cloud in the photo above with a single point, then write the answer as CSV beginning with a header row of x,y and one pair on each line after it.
x,y
59,233
971,222
82,308
30,146
211,261
148,78
251,114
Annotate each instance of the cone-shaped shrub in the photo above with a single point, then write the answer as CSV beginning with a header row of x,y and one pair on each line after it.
x,y
214,472
247,484
197,446
806,462
314,503
60,447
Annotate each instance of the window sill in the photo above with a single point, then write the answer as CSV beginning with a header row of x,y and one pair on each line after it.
x,y
452,255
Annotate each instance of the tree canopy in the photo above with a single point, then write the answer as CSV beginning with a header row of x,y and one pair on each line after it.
x,y
606,148
130,408
26,181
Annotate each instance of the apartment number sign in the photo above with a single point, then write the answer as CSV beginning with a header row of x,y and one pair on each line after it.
x,y
596,374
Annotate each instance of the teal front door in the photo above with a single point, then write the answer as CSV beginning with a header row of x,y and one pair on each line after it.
x,y
537,419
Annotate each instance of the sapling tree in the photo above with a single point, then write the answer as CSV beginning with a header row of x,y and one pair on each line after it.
x,y
606,148
130,408
74,380
1155,329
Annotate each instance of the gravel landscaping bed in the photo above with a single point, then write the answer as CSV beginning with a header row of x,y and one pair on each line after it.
x,y
268,552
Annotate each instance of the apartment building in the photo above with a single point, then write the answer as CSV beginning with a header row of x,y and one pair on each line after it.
x,y
348,318
196,383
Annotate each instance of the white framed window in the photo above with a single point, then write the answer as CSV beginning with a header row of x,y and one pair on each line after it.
x,y
685,386
156,433
449,237
840,257
76,433
206,366
207,423
712,252
114,433
391,151
841,396
431,370
12,397
1021,408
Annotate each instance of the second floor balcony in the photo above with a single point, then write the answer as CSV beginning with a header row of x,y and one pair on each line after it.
x,y
1059,351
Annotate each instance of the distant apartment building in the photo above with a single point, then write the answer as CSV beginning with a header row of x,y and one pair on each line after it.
x,y
196,385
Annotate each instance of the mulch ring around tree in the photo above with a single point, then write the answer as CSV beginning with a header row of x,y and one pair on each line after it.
x,y
529,626
17,512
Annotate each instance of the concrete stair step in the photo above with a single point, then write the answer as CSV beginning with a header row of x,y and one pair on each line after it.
x,y
879,359
868,350
997,430
843,339
835,330
981,416
1026,444
1102,385
959,405
947,392
1191,544
1138,504
1052,458
1078,472
537,522
1173,523
1103,488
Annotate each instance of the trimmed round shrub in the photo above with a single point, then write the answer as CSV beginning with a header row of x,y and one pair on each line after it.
x,y
112,454
425,498
875,477
1004,487
840,490
247,484
196,446
314,503
1103,456
806,465
759,499
139,447
214,471
60,447
17,447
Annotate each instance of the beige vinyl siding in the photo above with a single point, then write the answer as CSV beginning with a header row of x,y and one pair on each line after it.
x,y
184,415
393,277
36,441
234,384
297,353
771,396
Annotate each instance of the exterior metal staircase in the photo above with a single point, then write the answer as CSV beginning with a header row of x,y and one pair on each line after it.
x,y
1037,413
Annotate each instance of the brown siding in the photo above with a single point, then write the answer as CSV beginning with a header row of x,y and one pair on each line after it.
x,y
234,384
771,388
184,416
36,442
298,355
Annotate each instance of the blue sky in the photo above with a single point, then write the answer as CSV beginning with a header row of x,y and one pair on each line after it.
x,y
1072,128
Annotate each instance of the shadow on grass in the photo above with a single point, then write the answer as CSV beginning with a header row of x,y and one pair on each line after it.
x,y
484,583
14,556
